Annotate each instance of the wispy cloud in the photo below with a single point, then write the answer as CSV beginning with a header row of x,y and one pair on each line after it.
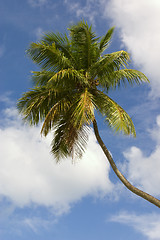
x,y
37,3
17,221
6,98
89,10
37,223
38,32
147,224
2,50
29,174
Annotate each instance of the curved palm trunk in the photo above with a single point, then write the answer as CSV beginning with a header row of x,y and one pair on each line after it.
x,y
135,190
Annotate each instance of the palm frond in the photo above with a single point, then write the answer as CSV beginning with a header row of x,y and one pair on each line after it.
x,y
115,115
62,43
125,76
84,44
83,109
54,114
35,104
48,57
109,63
68,141
41,78
105,40
59,39
68,79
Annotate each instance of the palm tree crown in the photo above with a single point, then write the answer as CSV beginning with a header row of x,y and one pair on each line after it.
x,y
75,76
72,84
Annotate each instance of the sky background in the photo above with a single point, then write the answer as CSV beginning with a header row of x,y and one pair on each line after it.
x,y
80,200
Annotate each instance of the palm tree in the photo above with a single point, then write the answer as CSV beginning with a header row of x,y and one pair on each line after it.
x,y
72,85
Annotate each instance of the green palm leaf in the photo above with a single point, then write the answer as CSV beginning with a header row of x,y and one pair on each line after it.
x,y
68,79
84,44
48,56
125,76
105,40
115,115
54,114
83,109
68,140
41,78
109,63
62,43
34,104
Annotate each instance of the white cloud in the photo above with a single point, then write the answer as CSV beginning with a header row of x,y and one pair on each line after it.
x,y
144,170
29,174
148,224
138,22
37,3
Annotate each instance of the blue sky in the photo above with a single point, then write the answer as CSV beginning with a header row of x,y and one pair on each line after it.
x,y
80,200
